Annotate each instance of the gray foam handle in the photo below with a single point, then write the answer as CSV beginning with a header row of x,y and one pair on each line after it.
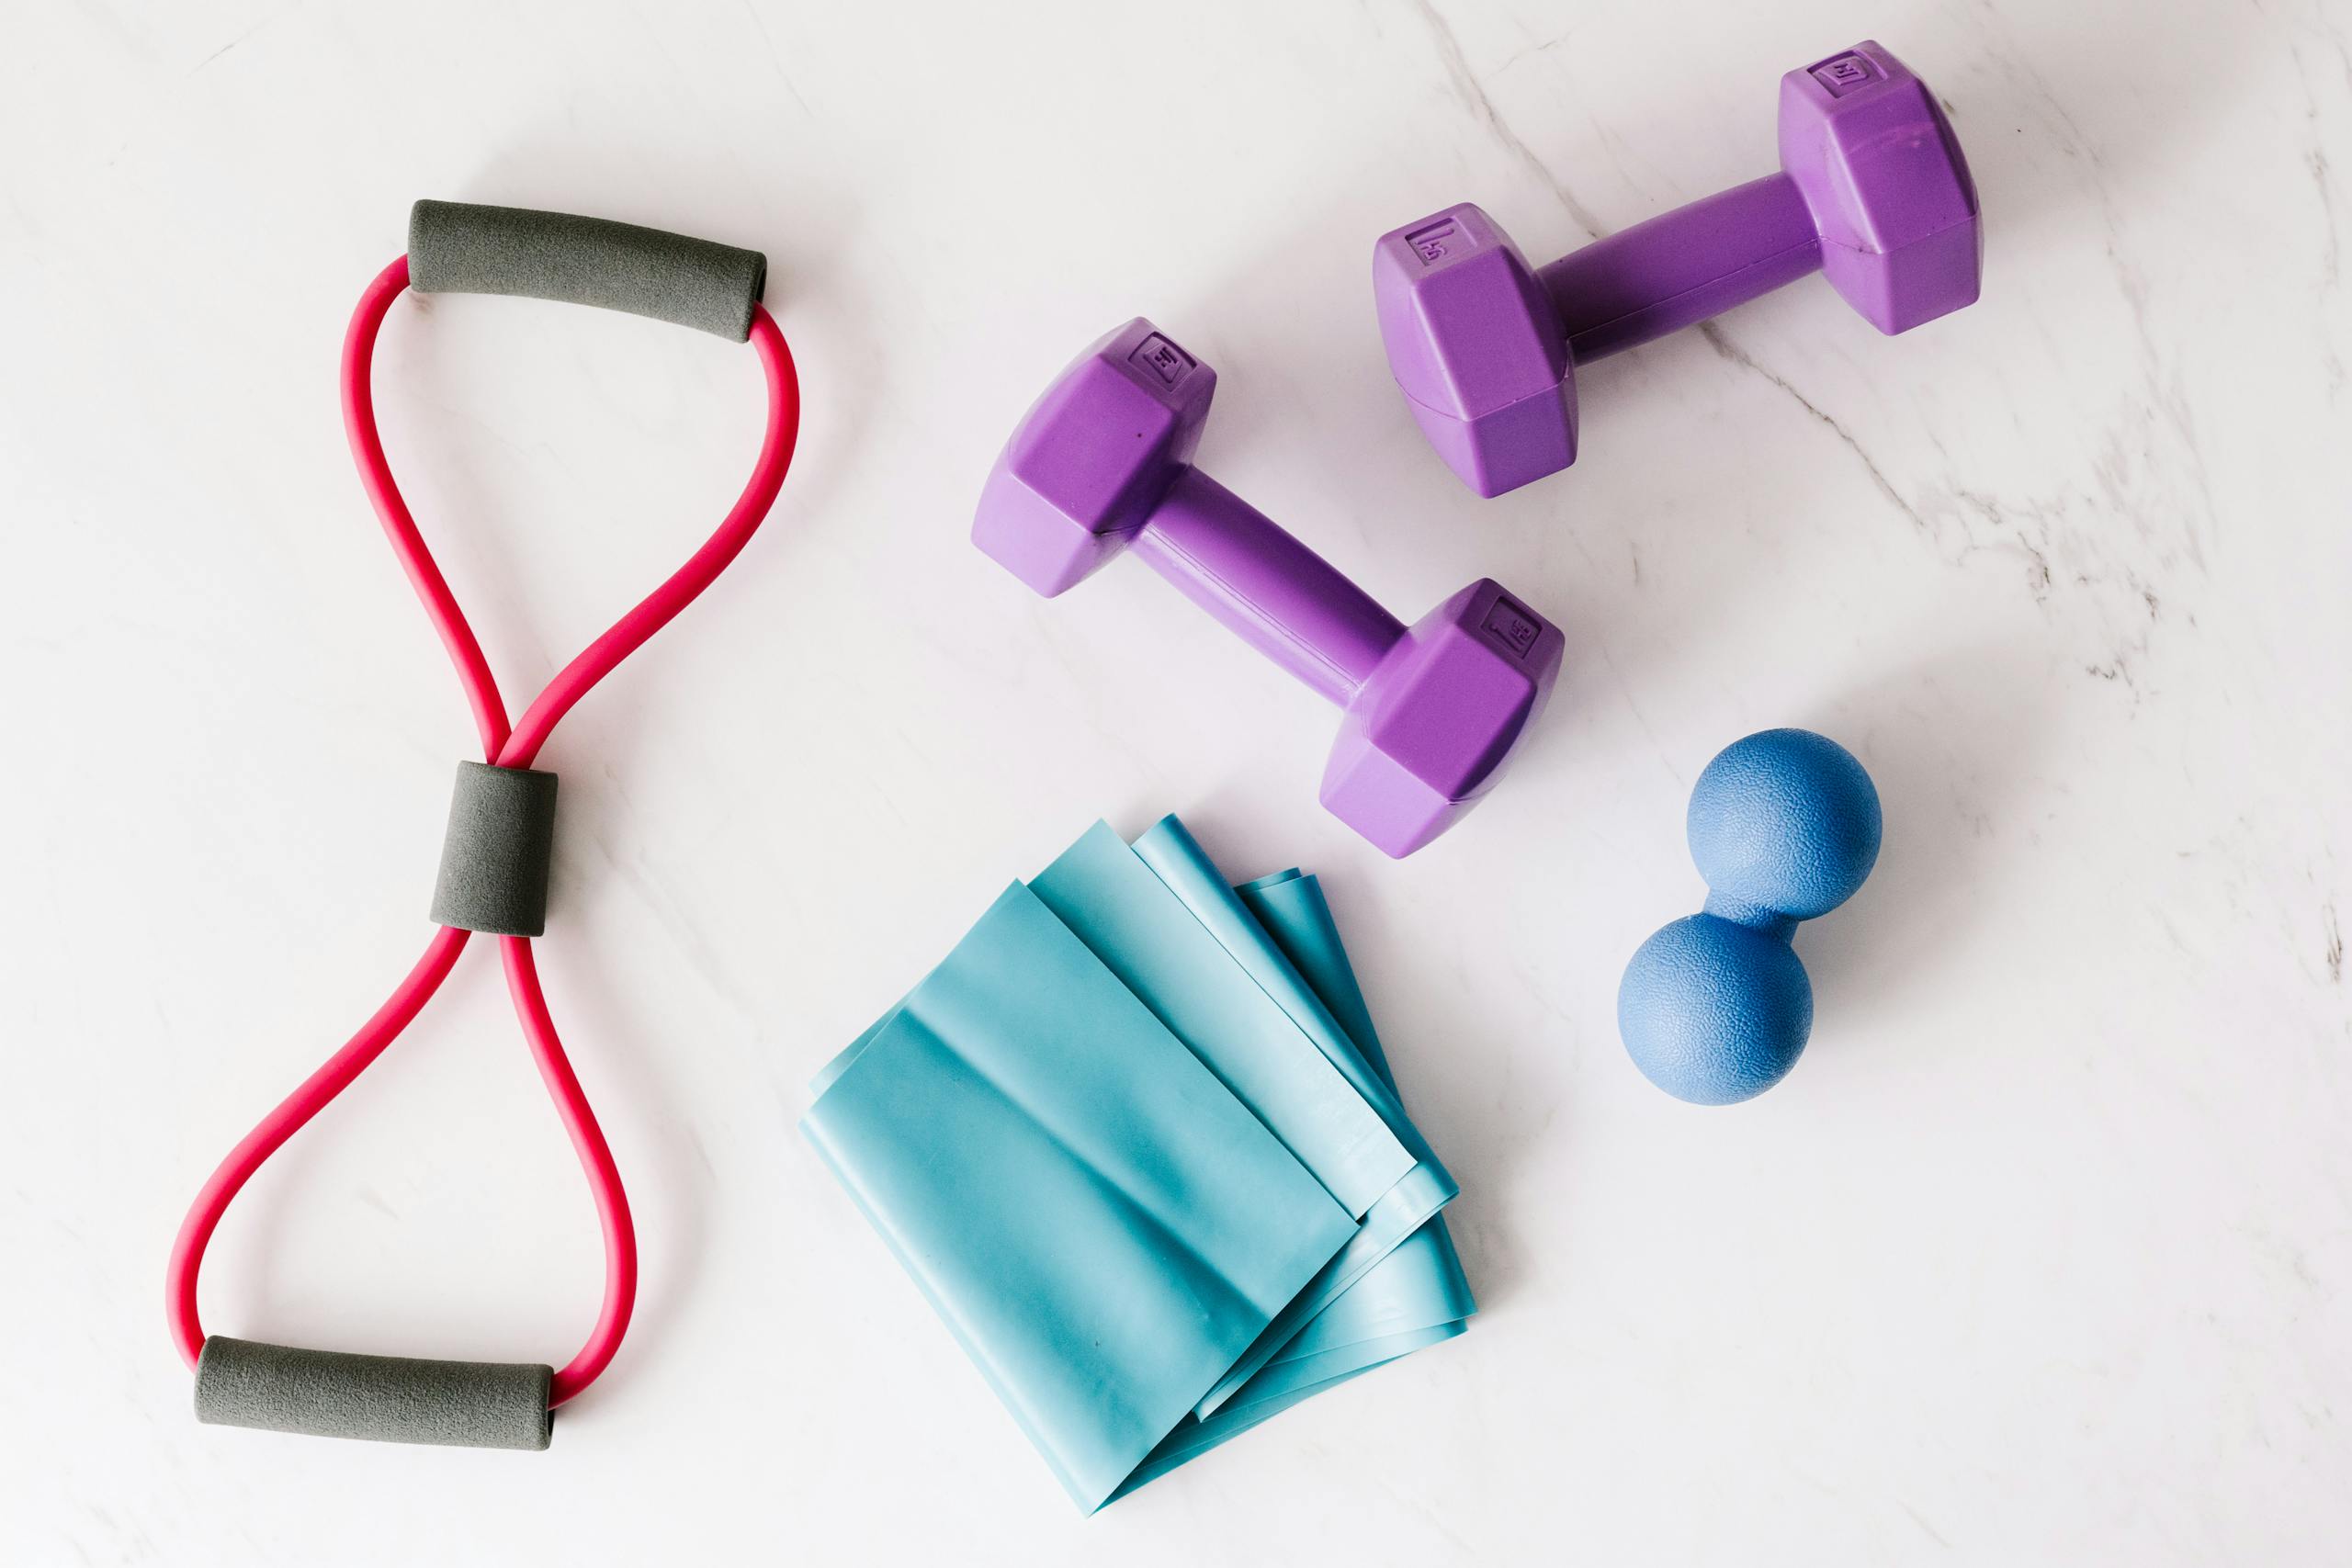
x,y
455,247
386,1399
495,855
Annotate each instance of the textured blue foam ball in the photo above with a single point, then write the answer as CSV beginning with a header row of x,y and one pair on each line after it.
x,y
1785,821
1714,1011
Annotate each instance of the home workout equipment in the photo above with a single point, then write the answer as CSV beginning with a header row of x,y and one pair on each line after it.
x,y
1715,1007
494,859
1429,714
1137,1142
1873,193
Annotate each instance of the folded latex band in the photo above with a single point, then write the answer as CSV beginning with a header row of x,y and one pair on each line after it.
x,y
1414,1297
1099,1221
1160,917
493,872
1009,1128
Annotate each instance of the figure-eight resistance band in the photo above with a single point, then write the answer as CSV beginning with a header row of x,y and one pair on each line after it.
x,y
495,856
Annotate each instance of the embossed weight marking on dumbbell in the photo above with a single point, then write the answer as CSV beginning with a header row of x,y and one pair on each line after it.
x,y
1429,714
1167,363
1846,73
1429,243
1513,627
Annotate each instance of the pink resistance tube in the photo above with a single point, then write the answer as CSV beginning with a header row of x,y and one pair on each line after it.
x,y
506,747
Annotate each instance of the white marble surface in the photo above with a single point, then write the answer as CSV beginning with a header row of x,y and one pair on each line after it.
x,y
2045,1254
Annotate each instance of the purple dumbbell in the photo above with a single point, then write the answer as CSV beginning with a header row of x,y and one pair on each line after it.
x,y
1873,192
1429,713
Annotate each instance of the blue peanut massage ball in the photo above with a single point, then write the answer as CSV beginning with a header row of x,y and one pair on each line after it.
x,y
1715,1007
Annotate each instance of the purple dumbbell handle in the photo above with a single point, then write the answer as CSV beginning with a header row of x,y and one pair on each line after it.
x,y
1680,268
1267,588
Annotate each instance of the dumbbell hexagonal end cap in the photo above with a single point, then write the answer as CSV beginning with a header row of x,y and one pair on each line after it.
x,y
1092,456
1869,147
1477,348
1428,735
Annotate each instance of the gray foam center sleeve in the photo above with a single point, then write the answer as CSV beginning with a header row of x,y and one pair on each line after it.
x,y
389,1399
455,247
495,854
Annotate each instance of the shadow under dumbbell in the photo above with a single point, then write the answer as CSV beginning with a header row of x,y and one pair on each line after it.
x,y
2054,119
